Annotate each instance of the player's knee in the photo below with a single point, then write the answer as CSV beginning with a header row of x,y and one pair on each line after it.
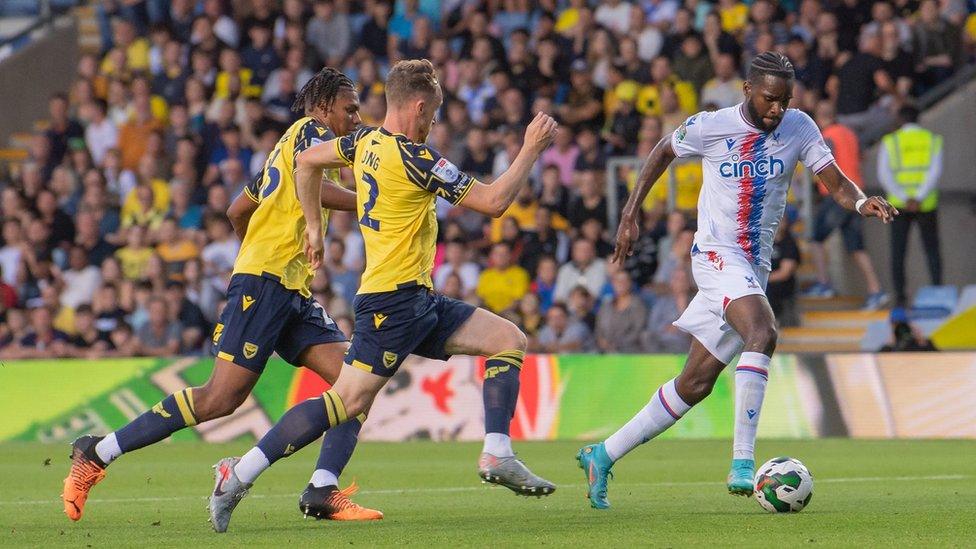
x,y
694,387
762,339
519,340
210,404
510,338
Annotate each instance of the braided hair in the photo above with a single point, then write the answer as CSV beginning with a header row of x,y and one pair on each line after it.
x,y
770,63
321,90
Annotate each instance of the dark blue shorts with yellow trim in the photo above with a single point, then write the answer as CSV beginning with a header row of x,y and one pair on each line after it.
x,y
391,325
262,316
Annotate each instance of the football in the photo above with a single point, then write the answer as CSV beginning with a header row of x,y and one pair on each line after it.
x,y
783,485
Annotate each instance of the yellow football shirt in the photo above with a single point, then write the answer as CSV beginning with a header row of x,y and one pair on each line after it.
x,y
397,182
274,246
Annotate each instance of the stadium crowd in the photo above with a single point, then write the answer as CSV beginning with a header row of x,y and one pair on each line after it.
x,y
114,234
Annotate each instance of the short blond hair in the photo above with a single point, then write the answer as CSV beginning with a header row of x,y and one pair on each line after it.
x,y
408,79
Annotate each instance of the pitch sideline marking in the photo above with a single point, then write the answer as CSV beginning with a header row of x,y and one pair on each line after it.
x,y
449,489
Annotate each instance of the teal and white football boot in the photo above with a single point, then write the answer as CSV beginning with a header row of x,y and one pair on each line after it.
x,y
740,481
596,465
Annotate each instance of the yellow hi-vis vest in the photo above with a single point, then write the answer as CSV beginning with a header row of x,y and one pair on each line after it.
x,y
910,153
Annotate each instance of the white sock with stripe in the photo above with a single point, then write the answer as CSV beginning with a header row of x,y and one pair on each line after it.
x,y
751,375
108,449
664,410
251,465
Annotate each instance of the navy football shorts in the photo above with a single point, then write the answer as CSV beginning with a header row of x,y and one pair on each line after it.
x,y
262,316
391,325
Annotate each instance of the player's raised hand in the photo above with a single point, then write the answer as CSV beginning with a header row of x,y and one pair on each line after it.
x,y
314,248
627,234
875,206
540,132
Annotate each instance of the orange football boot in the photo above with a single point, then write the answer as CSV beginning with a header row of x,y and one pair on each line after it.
x,y
86,471
330,503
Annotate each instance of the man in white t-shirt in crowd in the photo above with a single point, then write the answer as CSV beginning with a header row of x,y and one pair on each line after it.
x,y
749,153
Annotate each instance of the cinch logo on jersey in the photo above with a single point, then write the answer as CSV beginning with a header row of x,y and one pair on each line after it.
x,y
769,166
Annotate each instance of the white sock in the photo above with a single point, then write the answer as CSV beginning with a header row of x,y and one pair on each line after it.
x,y
498,445
664,410
321,478
108,449
251,465
751,374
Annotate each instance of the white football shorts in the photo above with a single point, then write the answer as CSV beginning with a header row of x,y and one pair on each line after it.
x,y
722,277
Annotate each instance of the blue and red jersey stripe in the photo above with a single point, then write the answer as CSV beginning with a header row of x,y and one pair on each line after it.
x,y
752,193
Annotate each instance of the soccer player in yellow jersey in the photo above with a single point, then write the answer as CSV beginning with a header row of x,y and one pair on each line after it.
x,y
269,308
398,179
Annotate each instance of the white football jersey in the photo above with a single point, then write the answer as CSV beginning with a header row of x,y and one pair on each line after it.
x,y
747,173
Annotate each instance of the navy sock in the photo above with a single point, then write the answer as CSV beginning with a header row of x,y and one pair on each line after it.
x,y
301,425
171,414
501,389
338,445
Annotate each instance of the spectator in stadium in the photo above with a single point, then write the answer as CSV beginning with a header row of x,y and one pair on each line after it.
x,y
503,283
590,203
79,281
561,333
87,340
830,216
584,105
582,306
8,294
101,134
725,89
175,248
456,262
345,281
12,250
625,121
159,335
554,194
43,340
781,285
909,168
134,255
857,86
562,154
661,335
544,284
329,33
183,311
937,46
584,269
692,62
530,316
622,318
593,231
479,158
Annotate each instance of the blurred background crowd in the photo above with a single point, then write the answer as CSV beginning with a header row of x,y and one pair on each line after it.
x,y
114,234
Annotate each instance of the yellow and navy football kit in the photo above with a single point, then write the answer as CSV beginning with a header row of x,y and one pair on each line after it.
x,y
269,304
397,312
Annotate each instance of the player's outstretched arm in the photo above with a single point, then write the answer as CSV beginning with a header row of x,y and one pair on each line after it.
x,y
848,195
657,161
495,199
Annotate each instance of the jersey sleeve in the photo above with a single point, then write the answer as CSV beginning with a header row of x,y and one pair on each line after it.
x,y
346,145
309,135
687,139
253,189
814,152
430,171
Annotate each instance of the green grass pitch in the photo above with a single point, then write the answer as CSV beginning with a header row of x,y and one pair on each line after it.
x,y
665,494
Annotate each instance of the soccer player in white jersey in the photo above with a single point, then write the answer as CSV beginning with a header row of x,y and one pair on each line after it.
x,y
749,153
